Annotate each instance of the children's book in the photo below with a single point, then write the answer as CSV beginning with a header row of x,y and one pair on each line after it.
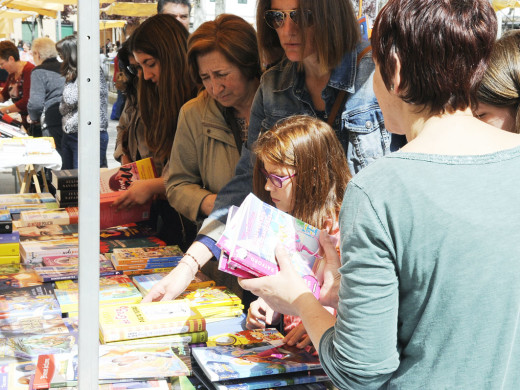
x,y
145,282
19,279
243,361
49,323
29,302
250,239
108,245
10,249
33,252
16,375
245,337
139,256
211,297
151,319
42,217
48,232
31,346
128,231
119,179
113,290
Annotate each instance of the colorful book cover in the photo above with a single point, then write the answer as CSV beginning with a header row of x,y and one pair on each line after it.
x,y
148,320
33,252
127,231
134,272
256,229
41,217
109,216
19,279
109,294
29,302
122,256
48,232
33,345
211,297
139,361
245,337
50,273
7,269
145,267
10,238
108,245
232,362
48,323
145,282
119,179
19,198
51,370
16,375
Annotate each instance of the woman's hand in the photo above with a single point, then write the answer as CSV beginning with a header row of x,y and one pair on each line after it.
x,y
329,293
207,204
274,289
139,192
260,315
171,285
298,336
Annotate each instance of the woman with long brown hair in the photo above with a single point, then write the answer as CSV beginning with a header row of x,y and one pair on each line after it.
x,y
159,46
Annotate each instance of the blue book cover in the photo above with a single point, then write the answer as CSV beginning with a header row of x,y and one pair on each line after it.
x,y
10,238
244,361
273,381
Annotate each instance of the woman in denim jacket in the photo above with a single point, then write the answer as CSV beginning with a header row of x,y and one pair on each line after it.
x,y
318,52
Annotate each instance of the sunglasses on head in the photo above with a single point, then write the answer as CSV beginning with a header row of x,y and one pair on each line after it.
x,y
133,69
275,179
276,18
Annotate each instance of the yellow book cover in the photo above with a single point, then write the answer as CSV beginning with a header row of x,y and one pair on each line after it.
x,y
190,338
211,297
15,259
245,337
145,282
10,249
151,319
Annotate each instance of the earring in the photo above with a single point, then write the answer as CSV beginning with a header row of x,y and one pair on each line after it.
x,y
391,87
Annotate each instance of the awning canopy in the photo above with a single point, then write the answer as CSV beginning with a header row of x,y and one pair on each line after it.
x,y
131,9
501,4
106,24
41,7
6,21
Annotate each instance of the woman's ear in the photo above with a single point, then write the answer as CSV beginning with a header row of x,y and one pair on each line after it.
x,y
396,78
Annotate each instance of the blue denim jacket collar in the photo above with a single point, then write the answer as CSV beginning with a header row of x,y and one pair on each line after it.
x,y
342,76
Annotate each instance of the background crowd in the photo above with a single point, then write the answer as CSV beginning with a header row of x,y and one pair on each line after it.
x,y
395,149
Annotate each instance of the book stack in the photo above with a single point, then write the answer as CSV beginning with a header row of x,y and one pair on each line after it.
x,y
16,203
146,258
251,235
33,252
64,186
255,359
126,322
9,246
214,303
42,217
113,290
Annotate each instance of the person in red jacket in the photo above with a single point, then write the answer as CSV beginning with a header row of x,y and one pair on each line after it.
x,y
18,82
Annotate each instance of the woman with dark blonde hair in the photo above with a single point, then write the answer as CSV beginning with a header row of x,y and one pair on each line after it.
x,y
427,294
159,46
223,57
499,92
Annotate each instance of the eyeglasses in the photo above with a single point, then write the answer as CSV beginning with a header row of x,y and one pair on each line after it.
x,y
133,69
276,180
276,18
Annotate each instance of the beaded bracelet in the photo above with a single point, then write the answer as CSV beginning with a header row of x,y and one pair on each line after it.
x,y
194,259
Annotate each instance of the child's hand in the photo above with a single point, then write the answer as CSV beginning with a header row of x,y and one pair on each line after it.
x,y
298,336
260,314
329,293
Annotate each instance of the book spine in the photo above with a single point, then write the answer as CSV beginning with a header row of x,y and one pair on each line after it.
x,y
10,259
67,196
189,326
6,227
11,249
9,238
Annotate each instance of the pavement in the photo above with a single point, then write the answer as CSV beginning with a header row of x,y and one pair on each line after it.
x,y
8,184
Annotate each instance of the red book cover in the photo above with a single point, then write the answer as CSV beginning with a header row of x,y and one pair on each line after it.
x,y
109,216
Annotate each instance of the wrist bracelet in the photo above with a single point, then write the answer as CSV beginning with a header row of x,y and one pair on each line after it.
x,y
194,259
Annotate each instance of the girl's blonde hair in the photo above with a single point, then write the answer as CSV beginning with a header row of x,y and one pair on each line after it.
x,y
500,85
311,148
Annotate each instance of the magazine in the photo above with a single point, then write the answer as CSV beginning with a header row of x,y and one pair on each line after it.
x,y
120,178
